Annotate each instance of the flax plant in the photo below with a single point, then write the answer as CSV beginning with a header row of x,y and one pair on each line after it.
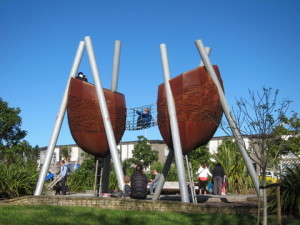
x,y
236,173
17,179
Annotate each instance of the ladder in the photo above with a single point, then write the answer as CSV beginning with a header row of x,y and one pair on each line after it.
x,y
98,176
190,173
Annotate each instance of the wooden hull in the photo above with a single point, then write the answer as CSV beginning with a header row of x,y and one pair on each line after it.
x,y
85,119
198,108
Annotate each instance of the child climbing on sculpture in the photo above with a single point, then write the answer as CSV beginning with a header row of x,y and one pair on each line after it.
x,y
144,119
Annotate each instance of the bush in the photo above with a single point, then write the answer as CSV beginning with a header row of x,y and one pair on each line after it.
x,y
17,179
289,193
82,179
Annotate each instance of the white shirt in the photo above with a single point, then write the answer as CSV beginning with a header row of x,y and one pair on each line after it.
x,y
203,172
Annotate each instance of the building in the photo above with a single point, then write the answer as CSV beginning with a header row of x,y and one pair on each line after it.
x,y
126,148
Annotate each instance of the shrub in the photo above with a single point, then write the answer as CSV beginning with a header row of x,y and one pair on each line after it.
x,y
289,193
82,179
17,179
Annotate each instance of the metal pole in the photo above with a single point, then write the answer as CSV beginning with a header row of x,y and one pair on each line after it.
x,y
116,65
207,50
105,115
58,123
163,175
114,87
174,127
96,177
229,117
106,170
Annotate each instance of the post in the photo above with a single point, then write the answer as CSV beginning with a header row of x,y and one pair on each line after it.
x,y
116,65
105,115
58,123
163,175
279,218
174,127
114,87
229,117
208,50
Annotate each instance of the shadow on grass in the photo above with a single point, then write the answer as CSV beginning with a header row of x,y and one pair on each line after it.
x,y
44,215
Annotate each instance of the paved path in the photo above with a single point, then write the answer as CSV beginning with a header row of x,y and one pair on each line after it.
x,y
213,199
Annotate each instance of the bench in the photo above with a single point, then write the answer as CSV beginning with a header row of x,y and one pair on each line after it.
x,y
174,186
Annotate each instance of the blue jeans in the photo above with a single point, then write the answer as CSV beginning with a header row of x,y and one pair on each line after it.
x,y
152,187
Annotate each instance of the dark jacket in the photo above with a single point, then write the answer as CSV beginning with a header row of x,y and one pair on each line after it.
x,y
218,171
138,186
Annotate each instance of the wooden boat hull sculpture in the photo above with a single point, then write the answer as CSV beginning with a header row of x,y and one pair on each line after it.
x,y
198,108
85,118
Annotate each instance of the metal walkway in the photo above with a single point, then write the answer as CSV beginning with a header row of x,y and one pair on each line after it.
x,y
137,120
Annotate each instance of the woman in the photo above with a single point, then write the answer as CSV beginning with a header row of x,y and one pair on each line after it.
x,y
139,183
203,173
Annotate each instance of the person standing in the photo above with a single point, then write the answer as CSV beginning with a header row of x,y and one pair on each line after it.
x,y
154,183
63,175
139,183
218,176
203,173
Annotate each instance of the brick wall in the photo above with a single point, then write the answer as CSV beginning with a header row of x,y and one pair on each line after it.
x,y
132,204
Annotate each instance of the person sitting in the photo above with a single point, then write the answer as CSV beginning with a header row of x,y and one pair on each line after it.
x,y
127,188
139,183
144,119
154,183
81,76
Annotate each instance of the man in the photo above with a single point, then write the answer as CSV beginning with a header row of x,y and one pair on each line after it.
x,y
218,176
154,183
63,175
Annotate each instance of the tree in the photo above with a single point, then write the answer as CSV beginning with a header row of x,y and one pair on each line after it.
x,y
199,156
259,117
290,130
12,147
66,153
143,153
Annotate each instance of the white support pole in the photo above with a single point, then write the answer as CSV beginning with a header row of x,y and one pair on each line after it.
x,y
208,51
229,117
174,127
58,123
116,65
105,115
163,175
114,87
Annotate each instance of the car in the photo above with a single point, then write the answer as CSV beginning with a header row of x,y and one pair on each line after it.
x,y
271,176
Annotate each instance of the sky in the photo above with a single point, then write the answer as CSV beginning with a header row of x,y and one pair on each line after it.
x,y
255,44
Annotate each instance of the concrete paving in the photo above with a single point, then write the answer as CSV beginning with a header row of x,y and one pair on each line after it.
x,y
213,199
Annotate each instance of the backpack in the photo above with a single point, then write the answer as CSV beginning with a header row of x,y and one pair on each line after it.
x,y
69,171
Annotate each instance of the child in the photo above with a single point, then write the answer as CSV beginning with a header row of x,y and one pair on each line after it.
x,y
127,188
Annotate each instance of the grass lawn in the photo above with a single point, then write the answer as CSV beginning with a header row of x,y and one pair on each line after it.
x,y
44,215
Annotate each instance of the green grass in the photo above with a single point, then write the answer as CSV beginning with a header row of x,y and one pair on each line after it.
x,y
44,215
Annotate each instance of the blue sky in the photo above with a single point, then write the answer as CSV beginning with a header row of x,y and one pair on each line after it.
x,y
255,44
